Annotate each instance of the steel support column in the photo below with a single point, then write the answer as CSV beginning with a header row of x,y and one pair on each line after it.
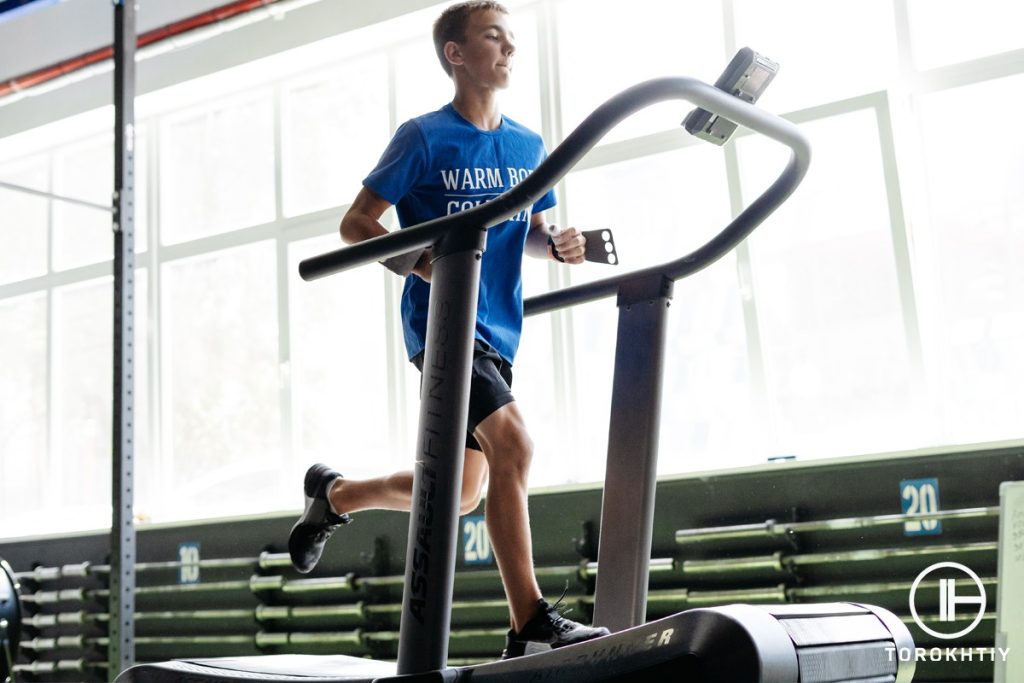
x,y
121,652
627,508
440,448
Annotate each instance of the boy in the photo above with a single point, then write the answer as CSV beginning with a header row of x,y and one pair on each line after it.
x,y
438,164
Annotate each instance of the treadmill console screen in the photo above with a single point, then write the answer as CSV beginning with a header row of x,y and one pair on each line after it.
x,y
746,77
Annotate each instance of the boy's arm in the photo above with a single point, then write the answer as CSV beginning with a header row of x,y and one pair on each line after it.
x,y
362,222
571,245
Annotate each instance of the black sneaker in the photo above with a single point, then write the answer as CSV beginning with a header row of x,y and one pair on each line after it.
x,y
546,631
317,523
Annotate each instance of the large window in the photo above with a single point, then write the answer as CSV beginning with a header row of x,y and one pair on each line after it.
x,y
84,171
82,398
661,207
877,310
340,369
217,168
602,53
826,50
23,420
335,125
24,226
971,224
988,28
221,380
828,301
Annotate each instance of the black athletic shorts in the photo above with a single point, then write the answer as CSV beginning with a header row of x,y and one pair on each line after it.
x,y
490,386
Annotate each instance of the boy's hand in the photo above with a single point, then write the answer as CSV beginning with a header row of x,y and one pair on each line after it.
x,y
424,268
569,245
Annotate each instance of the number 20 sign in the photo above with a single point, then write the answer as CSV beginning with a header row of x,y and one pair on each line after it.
x,y
920,497
476,544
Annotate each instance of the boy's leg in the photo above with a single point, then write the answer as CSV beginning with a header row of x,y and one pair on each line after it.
x,y
536,625
329,499
394,492
499,429
509,450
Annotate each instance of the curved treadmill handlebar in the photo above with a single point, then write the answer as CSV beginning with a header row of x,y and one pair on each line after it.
x,y
426,604
563,158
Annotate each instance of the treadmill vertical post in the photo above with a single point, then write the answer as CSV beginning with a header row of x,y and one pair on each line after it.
x,y
121,630
440,450
627,508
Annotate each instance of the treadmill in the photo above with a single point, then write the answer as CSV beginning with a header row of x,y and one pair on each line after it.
x,y
796,643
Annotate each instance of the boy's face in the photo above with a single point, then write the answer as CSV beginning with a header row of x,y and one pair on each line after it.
x,y
486,53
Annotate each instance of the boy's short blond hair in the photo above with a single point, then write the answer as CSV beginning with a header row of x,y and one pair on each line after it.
x,y
451,25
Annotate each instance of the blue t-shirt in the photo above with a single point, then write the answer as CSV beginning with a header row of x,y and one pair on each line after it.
x,y
439,164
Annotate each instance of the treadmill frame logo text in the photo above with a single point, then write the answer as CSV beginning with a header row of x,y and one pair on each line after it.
x,y
950,598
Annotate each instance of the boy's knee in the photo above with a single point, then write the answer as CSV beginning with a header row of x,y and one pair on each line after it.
x,y
511,460
507,444
521,442
515,449
470,499
473,476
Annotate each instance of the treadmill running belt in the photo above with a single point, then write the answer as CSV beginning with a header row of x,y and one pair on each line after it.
x,y
306,668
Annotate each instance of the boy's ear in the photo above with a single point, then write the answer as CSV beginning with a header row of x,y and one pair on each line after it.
x,y
453,53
